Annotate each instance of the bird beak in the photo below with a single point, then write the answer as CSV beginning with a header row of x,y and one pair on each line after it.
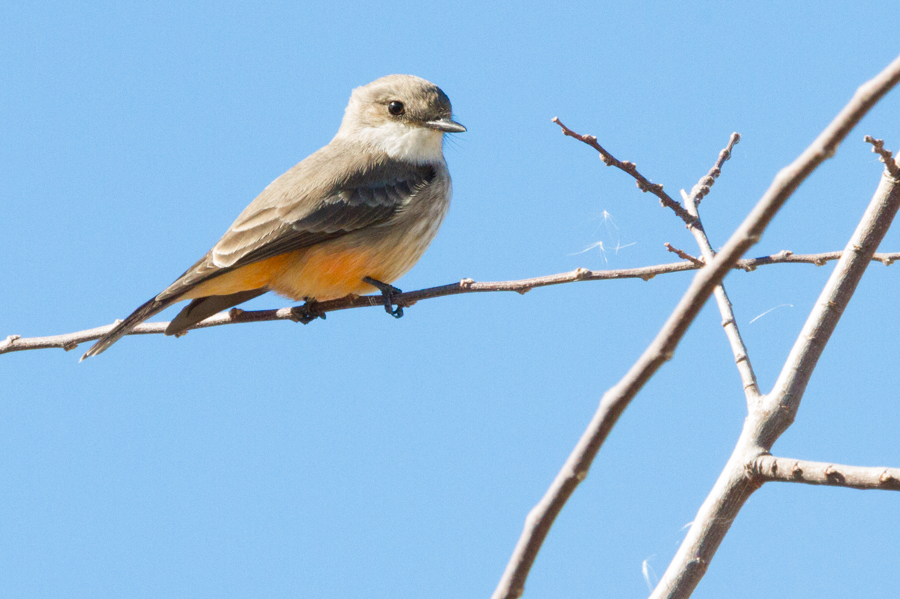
x,y
445,125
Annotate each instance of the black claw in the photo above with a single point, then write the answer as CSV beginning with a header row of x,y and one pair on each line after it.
x,y
306,313
387,293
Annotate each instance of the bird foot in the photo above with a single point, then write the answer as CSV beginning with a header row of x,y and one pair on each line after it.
x,y
387,293
307,313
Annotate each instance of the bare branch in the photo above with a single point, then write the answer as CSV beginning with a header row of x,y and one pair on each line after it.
x,y
771,416
69,341
629,167
784,399
682,576
768,468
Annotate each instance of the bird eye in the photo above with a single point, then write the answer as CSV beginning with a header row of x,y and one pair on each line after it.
x,y
395,108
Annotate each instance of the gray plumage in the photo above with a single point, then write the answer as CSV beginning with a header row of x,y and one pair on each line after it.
x,y
381,186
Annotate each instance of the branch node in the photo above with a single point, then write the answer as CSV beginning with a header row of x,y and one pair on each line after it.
x,y
701,189
885,156
234,313
467,283
581,273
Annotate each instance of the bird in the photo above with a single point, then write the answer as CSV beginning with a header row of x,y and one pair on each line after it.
x,y
350,219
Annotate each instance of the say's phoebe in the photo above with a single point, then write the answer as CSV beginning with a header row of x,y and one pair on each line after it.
x,y
350,219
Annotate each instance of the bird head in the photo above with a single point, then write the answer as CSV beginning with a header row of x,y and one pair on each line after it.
x,y
402,115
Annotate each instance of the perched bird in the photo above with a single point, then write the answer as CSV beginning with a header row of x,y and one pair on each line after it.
x,y
351,218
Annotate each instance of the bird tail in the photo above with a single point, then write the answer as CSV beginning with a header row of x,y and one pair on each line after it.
x,y
123,328
199,309
204,307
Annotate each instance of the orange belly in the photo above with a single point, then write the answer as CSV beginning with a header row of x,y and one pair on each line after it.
x,y
336,269
323,272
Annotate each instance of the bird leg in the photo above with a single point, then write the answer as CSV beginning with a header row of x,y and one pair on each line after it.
x,y
387,293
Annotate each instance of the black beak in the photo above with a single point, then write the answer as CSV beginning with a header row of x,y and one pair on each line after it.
x,y
446,125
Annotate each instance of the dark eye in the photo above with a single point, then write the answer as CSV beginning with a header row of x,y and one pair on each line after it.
x,y
395,108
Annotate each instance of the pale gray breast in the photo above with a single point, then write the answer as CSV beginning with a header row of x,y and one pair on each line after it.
x,y
425,209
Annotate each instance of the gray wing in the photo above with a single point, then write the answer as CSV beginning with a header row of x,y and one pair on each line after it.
x,y
275,223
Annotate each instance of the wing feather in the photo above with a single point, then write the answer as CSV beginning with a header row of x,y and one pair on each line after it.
x,y
302,208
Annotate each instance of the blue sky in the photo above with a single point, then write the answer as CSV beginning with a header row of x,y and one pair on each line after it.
x,y
367,456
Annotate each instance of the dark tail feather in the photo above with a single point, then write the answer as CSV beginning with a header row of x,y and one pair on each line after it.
x,y
123,328
204,307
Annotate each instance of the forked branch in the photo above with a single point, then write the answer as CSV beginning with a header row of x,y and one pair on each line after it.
x,y
774,413
688,566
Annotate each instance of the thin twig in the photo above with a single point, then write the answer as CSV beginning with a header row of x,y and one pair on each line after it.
x,y
614,401
629,167
702,187
786,256
886,156
729,322
68,341
684,255
768,468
